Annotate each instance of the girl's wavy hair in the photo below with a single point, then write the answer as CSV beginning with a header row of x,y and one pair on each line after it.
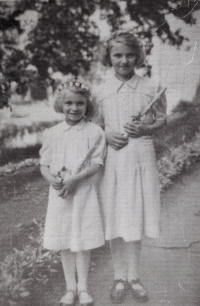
x,y
129,39
76,87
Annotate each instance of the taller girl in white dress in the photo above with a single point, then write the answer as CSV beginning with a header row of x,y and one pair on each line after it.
x,y
71,155
130,188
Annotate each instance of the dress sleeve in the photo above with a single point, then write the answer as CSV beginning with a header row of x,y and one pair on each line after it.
x,y
159,109
99,144
46,150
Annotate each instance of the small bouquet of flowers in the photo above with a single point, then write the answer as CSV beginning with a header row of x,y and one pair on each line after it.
x,y
63,173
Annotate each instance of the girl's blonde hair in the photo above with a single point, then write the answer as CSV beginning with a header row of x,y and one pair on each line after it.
x,y
76,87
129,39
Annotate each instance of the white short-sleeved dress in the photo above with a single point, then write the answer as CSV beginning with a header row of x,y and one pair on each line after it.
x,y
74,222
130,189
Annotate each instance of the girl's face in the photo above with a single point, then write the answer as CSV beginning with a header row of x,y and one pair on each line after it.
x,y
74,107
123,60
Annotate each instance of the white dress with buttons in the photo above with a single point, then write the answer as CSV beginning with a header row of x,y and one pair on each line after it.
x,y
130,189
74,222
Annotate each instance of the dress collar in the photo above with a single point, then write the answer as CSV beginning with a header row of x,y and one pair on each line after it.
x,y
133,82
78,126
113,85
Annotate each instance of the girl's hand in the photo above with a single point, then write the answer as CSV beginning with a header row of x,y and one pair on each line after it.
x,y
136,129
69,184
57,183
116,140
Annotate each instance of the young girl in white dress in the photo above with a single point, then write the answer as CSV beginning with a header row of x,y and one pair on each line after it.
x,y
72,154
130,188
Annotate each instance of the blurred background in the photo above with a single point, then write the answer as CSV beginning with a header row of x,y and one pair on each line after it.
x,y
44,42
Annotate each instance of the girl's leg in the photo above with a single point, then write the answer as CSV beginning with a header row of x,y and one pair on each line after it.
x,y
68,259
118,291
117,248
82,266
133,251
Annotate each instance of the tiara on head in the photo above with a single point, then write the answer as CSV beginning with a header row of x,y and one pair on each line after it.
x,y
73,84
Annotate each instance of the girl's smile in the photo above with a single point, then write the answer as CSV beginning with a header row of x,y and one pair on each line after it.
x,y
123,60
74,107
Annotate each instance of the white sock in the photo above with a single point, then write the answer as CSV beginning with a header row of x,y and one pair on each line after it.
x,y
82,266
117,248
133,251
68,259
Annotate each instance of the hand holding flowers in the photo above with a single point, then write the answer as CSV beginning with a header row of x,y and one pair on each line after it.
x,y
69,184
70,180
136,129
65,182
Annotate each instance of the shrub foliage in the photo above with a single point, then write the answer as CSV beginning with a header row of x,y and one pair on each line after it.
x,y
61,35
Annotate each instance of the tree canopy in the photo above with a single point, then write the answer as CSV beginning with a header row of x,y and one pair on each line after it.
x,y
62,35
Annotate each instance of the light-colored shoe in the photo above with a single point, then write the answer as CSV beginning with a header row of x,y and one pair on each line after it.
x,y
85,298
69,298
138,291
118,291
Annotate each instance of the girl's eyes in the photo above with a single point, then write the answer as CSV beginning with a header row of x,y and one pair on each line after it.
x,y
118,55
70,103
80,103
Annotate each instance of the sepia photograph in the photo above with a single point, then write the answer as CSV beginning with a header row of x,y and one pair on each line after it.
x,y
99,152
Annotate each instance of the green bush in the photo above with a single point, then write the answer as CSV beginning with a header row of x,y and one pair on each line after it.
x,y
24,269
177,159
182,125
13,287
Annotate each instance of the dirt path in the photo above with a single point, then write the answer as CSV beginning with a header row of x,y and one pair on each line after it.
x,y
170,265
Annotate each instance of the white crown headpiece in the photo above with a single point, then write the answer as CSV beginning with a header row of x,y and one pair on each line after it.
x,y
73,84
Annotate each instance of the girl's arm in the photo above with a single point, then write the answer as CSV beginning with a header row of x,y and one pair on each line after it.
x,y
56,182
116,140
137,129
158,109
71,183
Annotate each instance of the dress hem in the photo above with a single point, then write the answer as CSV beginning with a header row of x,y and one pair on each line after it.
x,y
135,239
72,249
